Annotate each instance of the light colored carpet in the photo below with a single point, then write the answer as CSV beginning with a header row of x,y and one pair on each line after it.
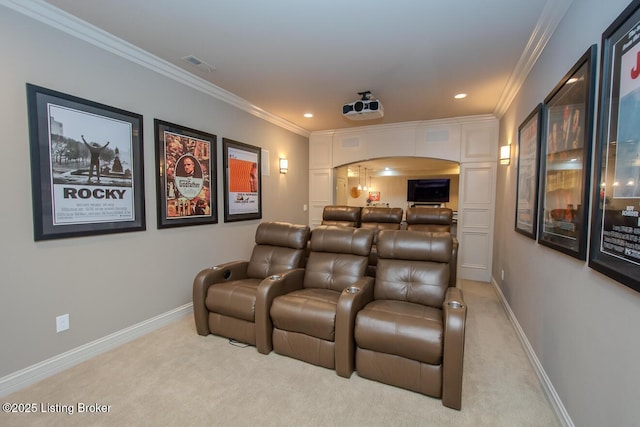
x,y
174,377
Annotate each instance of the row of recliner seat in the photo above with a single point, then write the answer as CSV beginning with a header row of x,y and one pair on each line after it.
x,y
419,218
405,327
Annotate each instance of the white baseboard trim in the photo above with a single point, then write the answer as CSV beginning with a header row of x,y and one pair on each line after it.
x,y
547,386
32,374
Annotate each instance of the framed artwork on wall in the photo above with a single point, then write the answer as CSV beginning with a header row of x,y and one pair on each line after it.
x,y
529,134
615,233
186,180
87,173
242,181
566,159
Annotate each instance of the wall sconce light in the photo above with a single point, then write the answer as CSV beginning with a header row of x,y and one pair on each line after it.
x,y
505,154
284,165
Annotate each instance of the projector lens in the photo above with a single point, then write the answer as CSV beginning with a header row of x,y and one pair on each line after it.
x,y
358,106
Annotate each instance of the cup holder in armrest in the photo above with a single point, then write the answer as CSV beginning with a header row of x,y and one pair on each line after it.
x,y
352,290
275,277
454,304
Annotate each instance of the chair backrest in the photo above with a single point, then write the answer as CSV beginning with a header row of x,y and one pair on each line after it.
x,y
413,266
379,218
338,257
344,216
279,247
429,219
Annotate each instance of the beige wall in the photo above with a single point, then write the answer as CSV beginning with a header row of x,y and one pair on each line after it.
x,y
108,283
582,326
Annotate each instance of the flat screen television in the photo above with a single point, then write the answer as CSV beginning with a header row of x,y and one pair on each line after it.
x,y
435,190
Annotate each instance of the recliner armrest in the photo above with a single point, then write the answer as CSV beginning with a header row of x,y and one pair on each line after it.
x,y
454,312
351,300
233,270
270,288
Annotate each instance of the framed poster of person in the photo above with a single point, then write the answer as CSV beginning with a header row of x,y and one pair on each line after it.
x,y
186,182
528,170
242,181
566,160
87,173
615,232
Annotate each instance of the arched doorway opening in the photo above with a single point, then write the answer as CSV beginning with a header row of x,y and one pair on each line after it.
x,y
384,181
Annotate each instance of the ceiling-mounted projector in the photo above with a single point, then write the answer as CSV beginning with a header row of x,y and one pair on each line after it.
x,y
366,108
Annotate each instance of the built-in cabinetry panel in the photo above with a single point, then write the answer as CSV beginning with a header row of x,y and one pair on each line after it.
x,y
320,194
479,142
372,142
320,175
321,150
476,209
438,141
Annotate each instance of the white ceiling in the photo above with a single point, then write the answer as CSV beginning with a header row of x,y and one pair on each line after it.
x,y
288,57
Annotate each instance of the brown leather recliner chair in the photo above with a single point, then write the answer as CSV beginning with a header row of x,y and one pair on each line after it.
x,y
376,219
412,334
313,319
224,296
435,219
344,216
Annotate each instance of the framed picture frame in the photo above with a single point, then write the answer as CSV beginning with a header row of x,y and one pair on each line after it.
x,y
242,181
615,233
186,181
87,174
566,160
529,137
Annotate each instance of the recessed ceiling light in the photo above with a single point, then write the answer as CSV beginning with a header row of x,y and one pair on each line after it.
x,y
460,96
308,115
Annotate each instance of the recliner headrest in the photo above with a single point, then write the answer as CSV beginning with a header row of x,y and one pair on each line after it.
x,y
443,216
341,215
345,240
282,234
379,214
414,245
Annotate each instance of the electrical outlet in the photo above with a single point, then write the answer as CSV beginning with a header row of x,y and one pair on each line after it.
x,y
62,322
501,274
304,208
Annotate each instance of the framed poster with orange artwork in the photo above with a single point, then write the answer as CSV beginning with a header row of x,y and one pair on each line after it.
x,y
242,181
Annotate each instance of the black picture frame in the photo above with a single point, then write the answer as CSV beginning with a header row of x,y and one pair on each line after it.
x,y
615,228
242,181
185,197
566,160
87,174
529,141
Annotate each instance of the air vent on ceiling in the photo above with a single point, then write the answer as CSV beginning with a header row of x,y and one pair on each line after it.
x,y
199,63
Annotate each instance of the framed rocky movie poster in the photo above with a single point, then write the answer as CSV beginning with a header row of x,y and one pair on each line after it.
x,y
186,180
86,166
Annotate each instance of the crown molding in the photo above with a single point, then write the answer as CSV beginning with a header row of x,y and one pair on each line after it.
x,y
63,21
552,14
488,118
